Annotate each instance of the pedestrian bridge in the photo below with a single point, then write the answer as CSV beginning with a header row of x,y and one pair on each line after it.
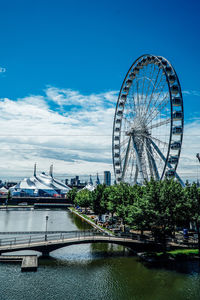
x,y
46,242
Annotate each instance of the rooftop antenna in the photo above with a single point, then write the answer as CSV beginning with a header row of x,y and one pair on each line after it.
x,y
90,182
51,170
34,173
98,180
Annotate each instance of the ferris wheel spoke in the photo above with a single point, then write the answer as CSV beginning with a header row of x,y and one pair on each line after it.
x,y
149,111
132,101
151,159
150,75
153,116
124,149
152,162
124,142
138,158
126,158
159,152
127,120
130,109
159,141
161,91
153,90
130,164
143,81
159,124
156,101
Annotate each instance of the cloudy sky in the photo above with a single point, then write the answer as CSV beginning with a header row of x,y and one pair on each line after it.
x,y
62,64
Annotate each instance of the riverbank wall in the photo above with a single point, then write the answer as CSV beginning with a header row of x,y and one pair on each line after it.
x,y
90,222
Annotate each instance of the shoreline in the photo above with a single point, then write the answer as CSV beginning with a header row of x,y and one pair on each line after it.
x,y
72,210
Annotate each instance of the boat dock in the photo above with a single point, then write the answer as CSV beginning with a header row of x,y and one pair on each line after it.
x,y
29,263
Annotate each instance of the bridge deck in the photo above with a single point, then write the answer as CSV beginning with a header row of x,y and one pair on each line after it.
x,y
50,242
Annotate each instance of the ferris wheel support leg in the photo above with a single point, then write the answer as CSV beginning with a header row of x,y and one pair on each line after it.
x,y
138,158
136,175
126,158
179,179
152,162
168,164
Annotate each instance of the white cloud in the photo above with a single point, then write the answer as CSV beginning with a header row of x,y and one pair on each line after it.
x,y
71,130
191,93
2,70
76,140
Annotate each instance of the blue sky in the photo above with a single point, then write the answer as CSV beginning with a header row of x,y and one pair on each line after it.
x,y
86,47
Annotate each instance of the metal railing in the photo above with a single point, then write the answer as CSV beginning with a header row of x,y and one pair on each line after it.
x,y
60,236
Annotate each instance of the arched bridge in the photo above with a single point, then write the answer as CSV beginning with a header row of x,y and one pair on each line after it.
x,y
48,242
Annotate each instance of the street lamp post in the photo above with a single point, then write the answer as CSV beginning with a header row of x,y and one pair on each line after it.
x,y
46,228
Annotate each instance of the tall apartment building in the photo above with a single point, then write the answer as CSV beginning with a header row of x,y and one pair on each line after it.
x,y
107,177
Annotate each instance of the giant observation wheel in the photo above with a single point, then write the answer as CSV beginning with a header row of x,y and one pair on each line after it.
x,y
148,122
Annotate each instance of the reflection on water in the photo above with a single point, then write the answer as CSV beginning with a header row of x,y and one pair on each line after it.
x,y
88,272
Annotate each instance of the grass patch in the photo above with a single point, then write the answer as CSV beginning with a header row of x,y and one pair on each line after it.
x,y
179,252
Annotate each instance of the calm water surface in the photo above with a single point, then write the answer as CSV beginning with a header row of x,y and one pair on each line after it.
x,y
89,272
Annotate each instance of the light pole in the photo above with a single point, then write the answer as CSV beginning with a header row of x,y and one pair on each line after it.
x,y
46,228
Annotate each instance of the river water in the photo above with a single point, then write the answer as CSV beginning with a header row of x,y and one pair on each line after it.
x,y
89,272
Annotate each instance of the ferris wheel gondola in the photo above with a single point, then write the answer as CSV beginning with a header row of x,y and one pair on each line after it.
x,y
148,122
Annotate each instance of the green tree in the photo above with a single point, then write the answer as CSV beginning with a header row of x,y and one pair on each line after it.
x,y
71,195
97,201
83,198
119,197
192,197
140,214
166,199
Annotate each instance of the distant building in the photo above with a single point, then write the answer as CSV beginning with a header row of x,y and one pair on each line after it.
x,y
90,181
98,180
41,185
9,184
107,177
75,181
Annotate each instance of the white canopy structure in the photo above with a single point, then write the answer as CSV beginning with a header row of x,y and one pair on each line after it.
x,y
3,190
40,185
90,187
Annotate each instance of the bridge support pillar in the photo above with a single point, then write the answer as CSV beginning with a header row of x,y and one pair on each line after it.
x,y
45,253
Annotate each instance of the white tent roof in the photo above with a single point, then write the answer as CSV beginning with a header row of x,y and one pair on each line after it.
x,y
89,187
41,182
3,189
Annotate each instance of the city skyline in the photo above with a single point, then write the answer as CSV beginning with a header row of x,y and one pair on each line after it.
x,y
60,82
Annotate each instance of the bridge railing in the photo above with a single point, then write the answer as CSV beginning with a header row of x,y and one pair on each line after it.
x,y
61,236
48,237
35,238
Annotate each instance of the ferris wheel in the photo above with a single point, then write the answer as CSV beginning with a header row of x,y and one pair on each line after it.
x,y
148,122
